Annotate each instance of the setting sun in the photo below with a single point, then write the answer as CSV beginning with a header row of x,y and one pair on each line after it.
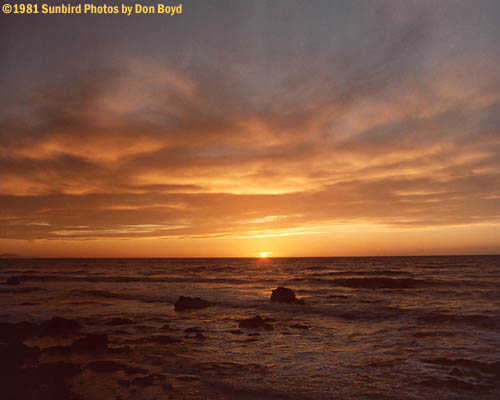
x,y
263,254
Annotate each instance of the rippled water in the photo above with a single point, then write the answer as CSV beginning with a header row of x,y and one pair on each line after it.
x,y
372,328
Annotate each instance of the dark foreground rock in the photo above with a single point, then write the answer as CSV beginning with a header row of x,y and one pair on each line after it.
x,y
13,281
285,295
254,323
190,303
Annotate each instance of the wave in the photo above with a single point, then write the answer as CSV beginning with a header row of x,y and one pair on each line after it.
x,y
132,279
379,283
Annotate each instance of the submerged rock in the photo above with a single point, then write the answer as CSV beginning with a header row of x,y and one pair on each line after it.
x,y
13,280
186,303
254,323
284,295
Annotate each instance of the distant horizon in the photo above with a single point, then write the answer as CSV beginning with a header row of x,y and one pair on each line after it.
x,y
250,257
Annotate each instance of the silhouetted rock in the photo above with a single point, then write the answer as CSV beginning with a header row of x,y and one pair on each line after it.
x,y
165,326
91,343
254,323
186,303
284,295
119,321
13,281
58,326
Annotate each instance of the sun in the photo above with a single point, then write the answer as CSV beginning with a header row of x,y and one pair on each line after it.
x,y
263,254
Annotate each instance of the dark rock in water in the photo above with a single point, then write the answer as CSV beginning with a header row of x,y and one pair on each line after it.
x,y
119,321
13,280
124,382
254,323
285,295
187,303
91,343
200,336
235,332
58,326
166,327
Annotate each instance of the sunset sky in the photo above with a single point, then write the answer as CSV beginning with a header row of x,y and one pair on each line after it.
x,y
298,128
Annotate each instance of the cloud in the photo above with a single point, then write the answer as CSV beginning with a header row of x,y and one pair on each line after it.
x,y
375,128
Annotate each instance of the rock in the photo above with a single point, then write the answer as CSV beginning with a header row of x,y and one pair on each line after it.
x,y
165,326
187,303
200,336
58,326
119,321
91,343
235,332
284,295
13,280
254,323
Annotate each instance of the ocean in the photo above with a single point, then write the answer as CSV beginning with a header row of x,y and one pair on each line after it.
x,y
370,328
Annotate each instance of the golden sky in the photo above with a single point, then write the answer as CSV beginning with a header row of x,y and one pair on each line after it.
x,y
313,128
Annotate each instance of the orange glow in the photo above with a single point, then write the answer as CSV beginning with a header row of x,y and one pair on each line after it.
x,y
263,254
